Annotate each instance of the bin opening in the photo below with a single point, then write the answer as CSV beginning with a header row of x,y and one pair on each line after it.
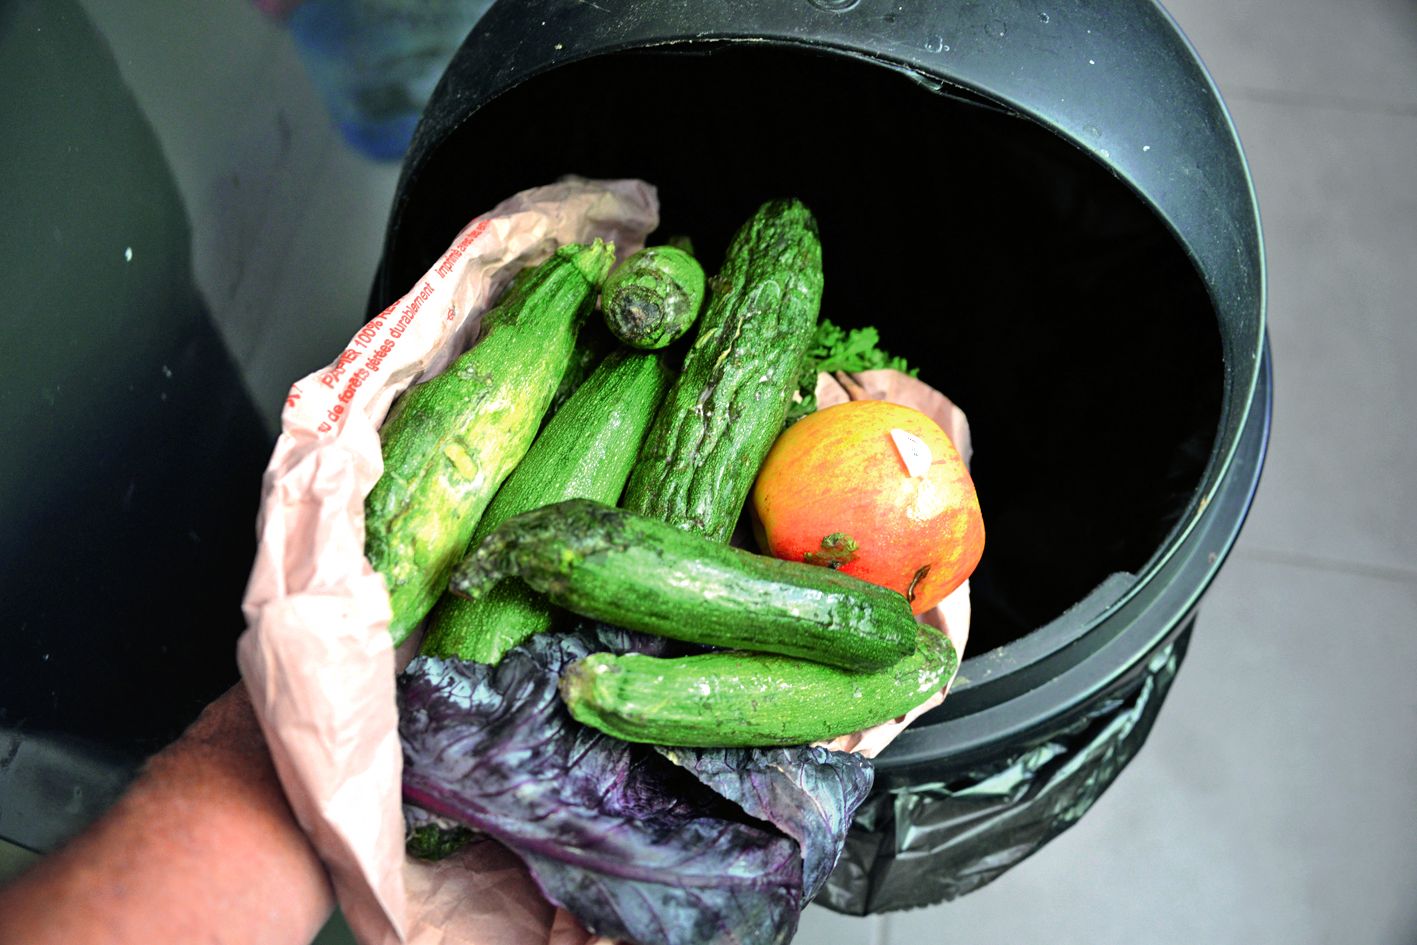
x,y
1027,282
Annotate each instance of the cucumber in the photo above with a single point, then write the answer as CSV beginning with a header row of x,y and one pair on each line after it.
x,y
641,574
729,403
733,699
450,441
585,451
652,298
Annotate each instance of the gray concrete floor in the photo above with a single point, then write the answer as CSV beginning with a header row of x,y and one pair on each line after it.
x,y
1276,801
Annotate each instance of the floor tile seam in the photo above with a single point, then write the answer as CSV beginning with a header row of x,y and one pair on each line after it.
x,y
1319,100
1311,562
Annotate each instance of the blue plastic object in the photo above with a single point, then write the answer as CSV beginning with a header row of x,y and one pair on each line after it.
x,y
375,62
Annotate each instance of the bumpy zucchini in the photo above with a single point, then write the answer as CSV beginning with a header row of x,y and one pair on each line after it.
x,y
638,573
585,451
449,442
722,414
652,298
744,699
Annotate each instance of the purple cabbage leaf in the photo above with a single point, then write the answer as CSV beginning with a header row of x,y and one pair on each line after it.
x,y
810,794
629,843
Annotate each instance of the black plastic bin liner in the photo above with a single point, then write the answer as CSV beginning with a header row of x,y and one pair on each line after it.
x,y
927,843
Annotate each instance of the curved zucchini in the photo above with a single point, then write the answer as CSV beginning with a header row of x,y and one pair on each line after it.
x,y
450,441
733,699
585,451
730,401
652,298
635,572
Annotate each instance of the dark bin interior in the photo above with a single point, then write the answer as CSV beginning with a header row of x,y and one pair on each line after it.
x,y
1028,283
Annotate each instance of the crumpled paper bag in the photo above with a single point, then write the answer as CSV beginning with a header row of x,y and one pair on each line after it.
x,y
316,655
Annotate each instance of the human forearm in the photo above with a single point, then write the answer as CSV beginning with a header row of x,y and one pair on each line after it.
x,y
202,847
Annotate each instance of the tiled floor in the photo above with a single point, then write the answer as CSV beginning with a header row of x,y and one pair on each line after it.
x,y
1276,801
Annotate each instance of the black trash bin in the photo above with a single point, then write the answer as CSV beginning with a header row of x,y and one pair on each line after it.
x,y
1045,205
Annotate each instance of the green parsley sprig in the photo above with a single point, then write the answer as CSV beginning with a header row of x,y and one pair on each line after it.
x,y
836,349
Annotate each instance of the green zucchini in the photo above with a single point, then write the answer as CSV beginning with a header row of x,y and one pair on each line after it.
x,y
739,699
729,403
635,572
450,441
437,841
652,298
585,451
592,344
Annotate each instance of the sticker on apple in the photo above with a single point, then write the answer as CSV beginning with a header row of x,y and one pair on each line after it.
x,y
914,453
